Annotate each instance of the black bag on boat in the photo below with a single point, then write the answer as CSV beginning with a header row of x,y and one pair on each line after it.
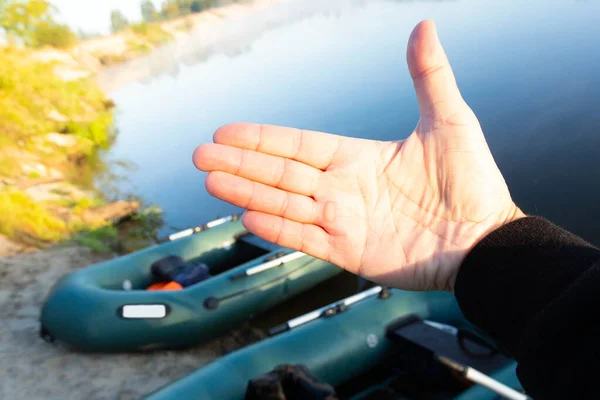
x,y
174,268
192,274
289,382
167,268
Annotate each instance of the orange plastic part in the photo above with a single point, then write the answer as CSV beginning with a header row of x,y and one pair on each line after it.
x,y
165,286
172,286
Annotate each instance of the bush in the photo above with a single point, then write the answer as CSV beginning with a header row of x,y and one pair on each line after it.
x,y
54,35
99,239
21,216
199,5
196,6
118,22
32,23
140,28
30,89
151,32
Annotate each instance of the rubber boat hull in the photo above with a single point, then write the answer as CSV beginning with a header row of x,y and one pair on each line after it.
x,y
89,310
335,349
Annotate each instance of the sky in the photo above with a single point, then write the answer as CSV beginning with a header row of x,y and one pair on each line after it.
x,y
94,16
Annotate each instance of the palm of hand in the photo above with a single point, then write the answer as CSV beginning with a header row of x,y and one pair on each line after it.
x,y
407,212
403,214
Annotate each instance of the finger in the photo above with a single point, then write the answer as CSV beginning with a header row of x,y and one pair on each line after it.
x,y
307,238
313,148
435,85
256,196
282,173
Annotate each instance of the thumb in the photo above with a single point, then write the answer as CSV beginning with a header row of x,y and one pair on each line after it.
x,y
434,82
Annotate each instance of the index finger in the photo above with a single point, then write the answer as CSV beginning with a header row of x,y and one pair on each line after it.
x,y
309,147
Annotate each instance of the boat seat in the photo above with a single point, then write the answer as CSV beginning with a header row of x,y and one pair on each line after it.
x,y
461,346
255,241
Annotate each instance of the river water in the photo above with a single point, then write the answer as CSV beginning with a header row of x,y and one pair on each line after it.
x,y
530,71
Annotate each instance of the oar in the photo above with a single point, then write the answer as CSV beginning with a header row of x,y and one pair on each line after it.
x,y
480,378
201,228
328,310
277,262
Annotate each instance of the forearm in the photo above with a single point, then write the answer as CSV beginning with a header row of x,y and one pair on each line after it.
x,y
530,285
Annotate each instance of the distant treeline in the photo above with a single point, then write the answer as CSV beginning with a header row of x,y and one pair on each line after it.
x,y
169,9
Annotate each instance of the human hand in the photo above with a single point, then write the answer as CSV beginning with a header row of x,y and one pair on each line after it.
x,y
403,214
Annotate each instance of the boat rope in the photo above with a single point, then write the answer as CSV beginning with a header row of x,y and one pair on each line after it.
x,y
213,303
330,310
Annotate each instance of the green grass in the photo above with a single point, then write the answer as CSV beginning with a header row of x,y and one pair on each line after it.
x,y
140,232
150,32
145,36
9,166
24,219
99,239
30,91
78,205
139,47
84,203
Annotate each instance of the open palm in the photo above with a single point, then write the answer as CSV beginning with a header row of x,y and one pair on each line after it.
x,y
403,214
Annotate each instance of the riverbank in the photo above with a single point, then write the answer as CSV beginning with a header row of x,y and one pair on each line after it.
x,y
90,56
54,132
46,191
50,156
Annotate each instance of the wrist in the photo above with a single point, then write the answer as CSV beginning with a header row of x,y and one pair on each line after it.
x,y
513,213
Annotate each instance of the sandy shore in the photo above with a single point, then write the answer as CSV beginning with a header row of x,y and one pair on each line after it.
x,y
33,369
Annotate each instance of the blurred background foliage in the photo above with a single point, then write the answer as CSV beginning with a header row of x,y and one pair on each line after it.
x,y
55,122
32,22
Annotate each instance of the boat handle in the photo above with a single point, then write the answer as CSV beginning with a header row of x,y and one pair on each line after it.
x,y
212,303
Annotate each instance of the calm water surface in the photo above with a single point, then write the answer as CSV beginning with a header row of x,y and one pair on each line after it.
x,y
530,71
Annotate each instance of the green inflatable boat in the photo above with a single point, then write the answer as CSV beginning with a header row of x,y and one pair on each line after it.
x,y
363,346
107,308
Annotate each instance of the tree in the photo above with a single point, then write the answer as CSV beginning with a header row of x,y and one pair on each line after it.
x,y
169,10
196,6
32,22
184,6
118,22
55,35
149,12
20,18
199,5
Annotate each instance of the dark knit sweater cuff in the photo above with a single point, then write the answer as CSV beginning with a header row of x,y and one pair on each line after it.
x,y
515,271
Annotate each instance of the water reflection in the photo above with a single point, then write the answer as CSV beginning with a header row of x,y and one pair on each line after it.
x,y
231,38
529,70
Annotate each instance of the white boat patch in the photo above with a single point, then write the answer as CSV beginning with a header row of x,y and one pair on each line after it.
x,y
137,311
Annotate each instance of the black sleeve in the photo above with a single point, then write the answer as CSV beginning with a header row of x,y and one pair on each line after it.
x,y
535,288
